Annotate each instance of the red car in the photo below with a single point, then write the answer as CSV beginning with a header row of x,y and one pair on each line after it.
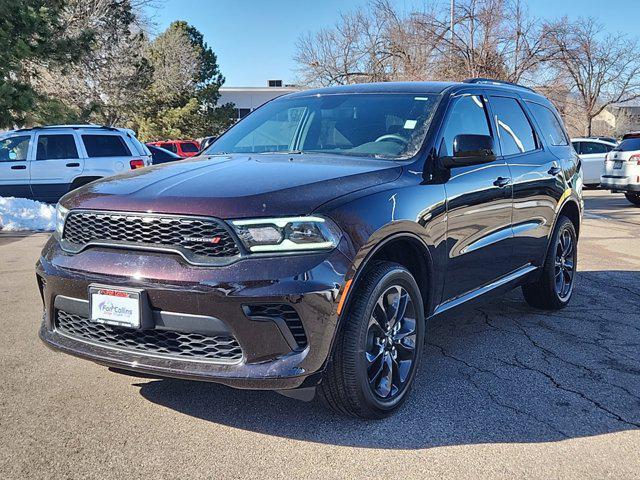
x,y
183,148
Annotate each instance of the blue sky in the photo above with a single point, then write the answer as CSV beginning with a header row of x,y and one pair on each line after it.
x,y
255,39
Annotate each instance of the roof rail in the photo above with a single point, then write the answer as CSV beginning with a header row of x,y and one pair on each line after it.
x,y
492,81
74,127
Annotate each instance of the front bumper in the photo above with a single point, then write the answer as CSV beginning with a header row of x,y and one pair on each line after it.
x,y
308,283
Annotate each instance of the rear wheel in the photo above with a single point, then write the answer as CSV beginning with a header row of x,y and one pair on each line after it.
x,y
379,346
633,198
554,288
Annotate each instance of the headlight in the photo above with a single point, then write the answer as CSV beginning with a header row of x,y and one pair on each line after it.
x,y
61,215
287,234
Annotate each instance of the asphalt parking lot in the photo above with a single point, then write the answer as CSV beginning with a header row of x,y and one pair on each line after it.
x,y
504,391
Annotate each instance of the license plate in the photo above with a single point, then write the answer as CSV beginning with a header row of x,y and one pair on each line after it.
x,y
115,306
617,165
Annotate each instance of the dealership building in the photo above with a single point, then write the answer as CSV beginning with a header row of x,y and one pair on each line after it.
x,y
247,99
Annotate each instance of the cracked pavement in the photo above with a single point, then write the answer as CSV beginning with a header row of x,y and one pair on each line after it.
x,y
504,391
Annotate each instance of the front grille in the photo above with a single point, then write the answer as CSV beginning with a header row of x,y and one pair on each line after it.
x,y
287,313
188,346
198,239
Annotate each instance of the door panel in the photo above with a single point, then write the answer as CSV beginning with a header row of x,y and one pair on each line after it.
x,y
592,167
538,182
479,206
55,166
14,167
479,227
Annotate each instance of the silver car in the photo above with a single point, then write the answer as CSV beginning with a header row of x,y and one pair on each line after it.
x,y
622,168
592,152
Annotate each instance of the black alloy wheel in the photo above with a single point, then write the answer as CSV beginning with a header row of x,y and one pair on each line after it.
x,y
379,344
553,288
391,342
564,264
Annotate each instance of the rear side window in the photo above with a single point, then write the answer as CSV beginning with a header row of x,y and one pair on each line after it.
x,y
628,145
14,149
549,124
105,146
56,147
189,147
514,130
468,117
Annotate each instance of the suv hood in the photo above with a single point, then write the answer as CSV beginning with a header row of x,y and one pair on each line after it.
x,y
235,186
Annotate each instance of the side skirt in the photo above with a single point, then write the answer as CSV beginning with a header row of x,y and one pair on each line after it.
x,y
500,286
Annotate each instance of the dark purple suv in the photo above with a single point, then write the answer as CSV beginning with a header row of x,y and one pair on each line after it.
x,y
304,250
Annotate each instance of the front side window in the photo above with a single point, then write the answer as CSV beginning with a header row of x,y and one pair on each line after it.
x,y
468,117
589,148
514,129
169,146
549,124
56,147
105,146
390,126
14,149
577,146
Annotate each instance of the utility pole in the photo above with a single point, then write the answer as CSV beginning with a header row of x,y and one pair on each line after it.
x,y
453,6
451,24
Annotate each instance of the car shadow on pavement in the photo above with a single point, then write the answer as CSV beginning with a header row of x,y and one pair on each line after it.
x,y
500,372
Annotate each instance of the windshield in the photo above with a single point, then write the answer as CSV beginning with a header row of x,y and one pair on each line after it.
x,y
391,126
628,145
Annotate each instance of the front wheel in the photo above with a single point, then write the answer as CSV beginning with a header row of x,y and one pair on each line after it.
x,y
554,288
379,346
633,198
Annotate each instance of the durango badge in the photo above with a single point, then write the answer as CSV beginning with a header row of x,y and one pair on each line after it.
x,y
213,240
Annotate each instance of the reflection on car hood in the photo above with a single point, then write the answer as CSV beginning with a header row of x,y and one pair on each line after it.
x,y
235,186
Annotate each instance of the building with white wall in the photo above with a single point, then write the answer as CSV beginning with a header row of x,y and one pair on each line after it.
x,y
247,99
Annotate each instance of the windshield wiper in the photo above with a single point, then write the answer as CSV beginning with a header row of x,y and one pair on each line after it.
x,y
283,152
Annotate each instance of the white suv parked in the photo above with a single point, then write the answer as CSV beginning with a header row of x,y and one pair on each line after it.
x,y
592,152
622,168
44,163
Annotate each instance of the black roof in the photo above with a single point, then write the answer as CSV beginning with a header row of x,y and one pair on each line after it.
x,y
420,87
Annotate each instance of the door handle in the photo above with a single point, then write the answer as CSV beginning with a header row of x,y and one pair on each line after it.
x,y
74,164
502,182
555,170
18,167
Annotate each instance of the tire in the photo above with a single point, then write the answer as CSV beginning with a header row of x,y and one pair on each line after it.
x,y
363,349
553,290
633,198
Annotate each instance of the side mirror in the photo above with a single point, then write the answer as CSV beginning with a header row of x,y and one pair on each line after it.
x,y
470,150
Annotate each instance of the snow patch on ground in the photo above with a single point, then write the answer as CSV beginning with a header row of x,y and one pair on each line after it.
x,y
18,214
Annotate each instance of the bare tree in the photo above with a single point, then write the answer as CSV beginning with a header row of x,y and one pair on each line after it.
x,y
491,38
602,69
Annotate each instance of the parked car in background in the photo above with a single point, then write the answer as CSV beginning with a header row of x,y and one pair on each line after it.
x,y
309,255
160,155
44,163
622,168
206,141
592,152
607,139
182,148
